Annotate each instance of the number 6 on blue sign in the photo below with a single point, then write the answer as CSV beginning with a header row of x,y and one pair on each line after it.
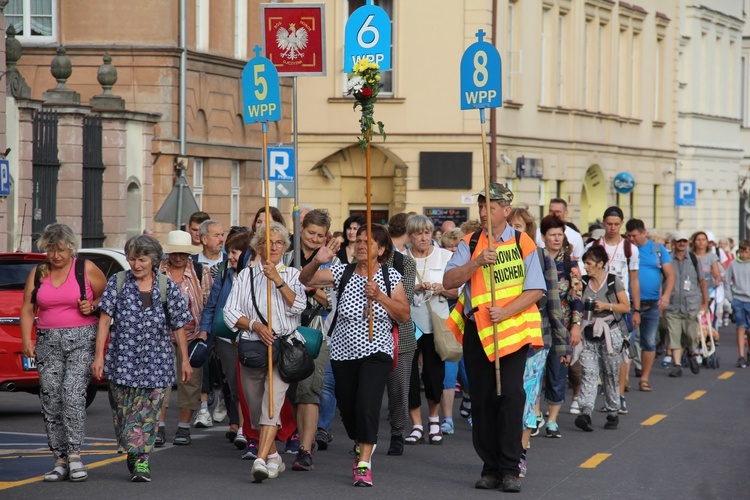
x,y
260,90
368,35
481,76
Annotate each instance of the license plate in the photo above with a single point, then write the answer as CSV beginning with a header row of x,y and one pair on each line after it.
x,y
29,364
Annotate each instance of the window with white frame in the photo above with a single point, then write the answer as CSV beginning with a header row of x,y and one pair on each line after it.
x,y
234,215
743,91
198,181
658,78
545,36
561,49
386,77
202,10
240,29
35,21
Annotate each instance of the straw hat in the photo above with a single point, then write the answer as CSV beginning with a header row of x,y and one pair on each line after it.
x,y
180,242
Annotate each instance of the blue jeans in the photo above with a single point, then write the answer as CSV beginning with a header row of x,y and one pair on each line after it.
x,y
453,372
327,407
649,326
741,313
555,379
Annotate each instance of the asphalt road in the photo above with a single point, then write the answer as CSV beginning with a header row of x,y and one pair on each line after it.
x,y
686,439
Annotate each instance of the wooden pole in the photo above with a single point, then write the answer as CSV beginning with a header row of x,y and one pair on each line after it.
x,y
492,244
368,184
269,309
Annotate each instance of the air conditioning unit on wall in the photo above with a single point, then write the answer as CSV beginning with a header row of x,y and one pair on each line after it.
x,y
529,167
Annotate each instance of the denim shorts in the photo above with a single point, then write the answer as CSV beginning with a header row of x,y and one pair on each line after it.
x,y
649,326
741,313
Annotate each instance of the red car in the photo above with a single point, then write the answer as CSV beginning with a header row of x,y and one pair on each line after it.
x,y
18,373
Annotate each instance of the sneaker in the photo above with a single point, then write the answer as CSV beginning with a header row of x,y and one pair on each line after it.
x,y
275,466
323,438
676,372
220,412
251,451
742,362
553,430
575,409
623,406
612,422
161,437
141,472
292,444
259,471
539,425
447,426
583,422
303,461
695,366
182,437
240,441
666,362
363,475
203,419
471,421
522,467
132,459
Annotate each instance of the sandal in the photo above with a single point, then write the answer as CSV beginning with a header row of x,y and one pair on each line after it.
x,y
77,469
437,436
465,408
644,386
416,436
59,473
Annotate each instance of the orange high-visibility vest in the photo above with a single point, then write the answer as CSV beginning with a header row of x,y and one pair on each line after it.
x,y
509,275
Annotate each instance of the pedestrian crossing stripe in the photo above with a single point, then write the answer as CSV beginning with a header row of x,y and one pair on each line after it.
x,y
725,375
594,461
695,395
653,420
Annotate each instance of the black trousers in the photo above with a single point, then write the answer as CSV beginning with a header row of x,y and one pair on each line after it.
x,y
433,373
360,384
498,421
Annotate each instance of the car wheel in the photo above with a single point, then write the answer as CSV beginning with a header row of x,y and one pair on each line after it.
x,y
90,394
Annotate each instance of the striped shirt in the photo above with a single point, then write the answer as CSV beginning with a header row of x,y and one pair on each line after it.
x,y
240,301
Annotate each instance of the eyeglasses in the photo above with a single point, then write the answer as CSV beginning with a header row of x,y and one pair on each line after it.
x,y
275,244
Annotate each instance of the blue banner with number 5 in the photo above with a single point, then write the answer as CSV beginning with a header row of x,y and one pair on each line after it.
x,y
260,90
481,76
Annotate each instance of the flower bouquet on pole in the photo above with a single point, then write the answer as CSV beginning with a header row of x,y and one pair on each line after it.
x,y
364,85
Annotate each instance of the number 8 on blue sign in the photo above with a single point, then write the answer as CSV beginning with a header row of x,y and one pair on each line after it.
x,y
260,90
481,76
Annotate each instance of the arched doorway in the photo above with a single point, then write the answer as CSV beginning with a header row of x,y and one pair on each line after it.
x,y
593,196
133,214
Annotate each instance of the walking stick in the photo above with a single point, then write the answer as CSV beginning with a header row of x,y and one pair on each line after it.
x,y
368,187
492,242
269,309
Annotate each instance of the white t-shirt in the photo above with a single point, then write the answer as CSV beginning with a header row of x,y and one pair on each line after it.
x,y
618,263
203,259
431,270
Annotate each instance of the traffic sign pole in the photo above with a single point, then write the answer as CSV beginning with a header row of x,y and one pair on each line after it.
x,y
481,87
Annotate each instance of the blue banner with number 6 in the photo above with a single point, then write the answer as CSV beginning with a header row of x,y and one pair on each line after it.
x,y
260,90
368,35
481,76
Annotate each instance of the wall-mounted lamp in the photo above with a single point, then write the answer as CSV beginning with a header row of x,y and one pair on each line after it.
x,y
506,160
180,162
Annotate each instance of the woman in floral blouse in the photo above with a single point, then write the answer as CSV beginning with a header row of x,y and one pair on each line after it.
x,y
139,361
571,290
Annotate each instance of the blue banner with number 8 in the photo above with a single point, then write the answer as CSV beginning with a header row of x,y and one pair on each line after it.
x,y
260,90
481,76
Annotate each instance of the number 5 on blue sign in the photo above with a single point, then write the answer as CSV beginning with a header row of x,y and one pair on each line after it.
x,y
481,76
260,90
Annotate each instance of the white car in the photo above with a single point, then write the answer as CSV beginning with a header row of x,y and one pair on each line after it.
x,y
109,260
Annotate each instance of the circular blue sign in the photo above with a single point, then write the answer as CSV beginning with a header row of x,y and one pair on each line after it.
x,y
624,183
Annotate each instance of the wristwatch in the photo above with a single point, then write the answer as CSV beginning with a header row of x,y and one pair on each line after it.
x,y
282,285
577,323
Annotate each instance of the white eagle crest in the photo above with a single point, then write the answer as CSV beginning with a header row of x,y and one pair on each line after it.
x,y
291,42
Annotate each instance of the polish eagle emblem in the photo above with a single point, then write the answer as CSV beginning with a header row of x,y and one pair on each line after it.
x,y
292,42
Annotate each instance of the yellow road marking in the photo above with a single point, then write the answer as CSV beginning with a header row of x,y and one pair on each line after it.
x,y
653,420
12,484
592,462
695,395
9,454
725,375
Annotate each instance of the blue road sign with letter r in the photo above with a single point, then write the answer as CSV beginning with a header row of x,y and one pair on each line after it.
x,y
685,194
281,164
4,178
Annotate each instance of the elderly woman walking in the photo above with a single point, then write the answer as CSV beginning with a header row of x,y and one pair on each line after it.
x,y
360,364
245,312
139,361
65,295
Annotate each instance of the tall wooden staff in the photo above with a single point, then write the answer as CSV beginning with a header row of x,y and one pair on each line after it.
x,y
367,52
481,87
262,104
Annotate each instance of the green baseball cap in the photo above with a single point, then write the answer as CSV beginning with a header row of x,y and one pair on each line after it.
x,y
498,192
